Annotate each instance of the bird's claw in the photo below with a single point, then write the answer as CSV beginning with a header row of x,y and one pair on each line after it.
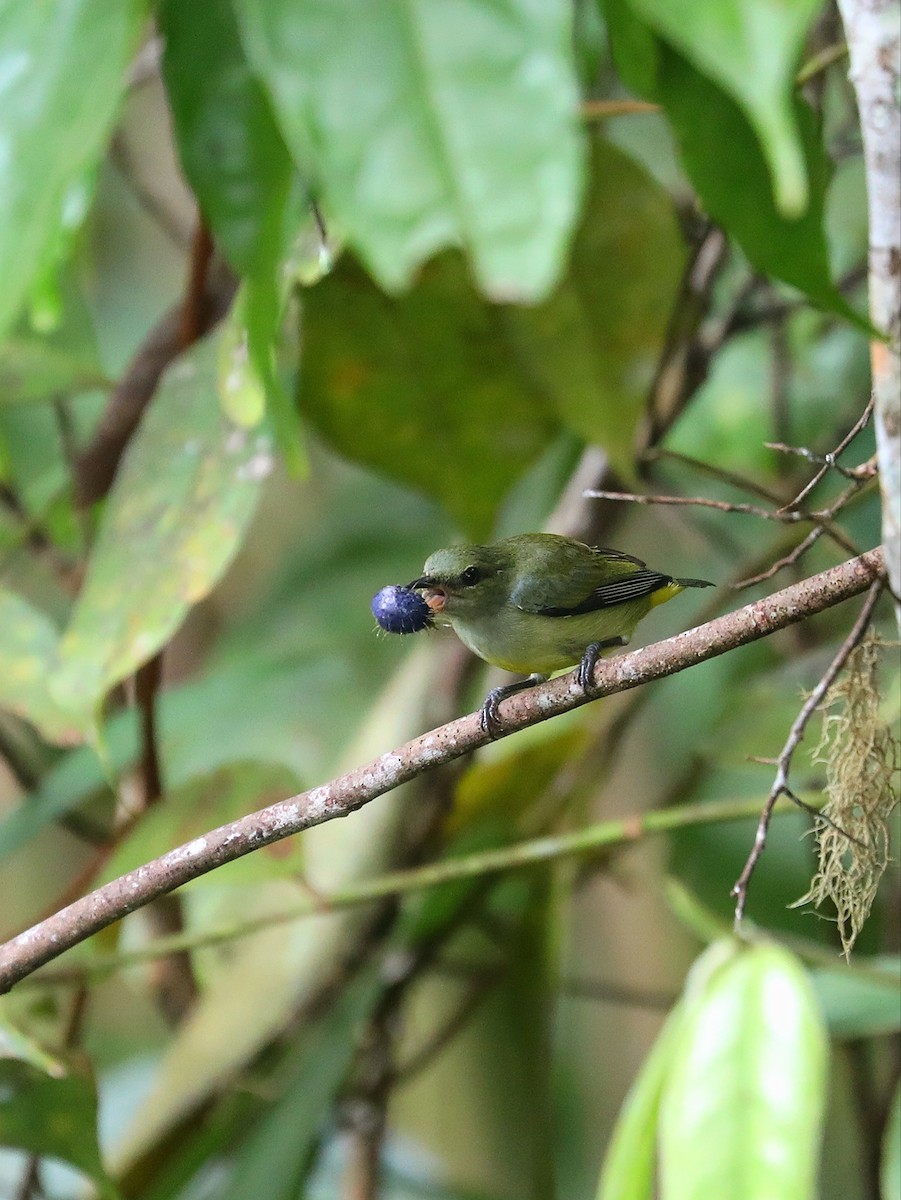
x,y
589,660
489,717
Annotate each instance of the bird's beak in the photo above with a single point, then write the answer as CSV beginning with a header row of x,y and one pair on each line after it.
x,y
433,593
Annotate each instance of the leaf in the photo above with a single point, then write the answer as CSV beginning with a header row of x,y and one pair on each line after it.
x,y
233,154
890,1174
593,346
742,1109
29,646
421,387
860,1001
52,125
457,396
630,1163
431,124
751,51
176,516
30,369
726,166
273,1160
48,1108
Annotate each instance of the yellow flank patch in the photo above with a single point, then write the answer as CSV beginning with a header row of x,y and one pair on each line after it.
x,y
666,593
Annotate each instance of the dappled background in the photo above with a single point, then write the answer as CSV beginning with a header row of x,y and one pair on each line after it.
x,y
375,393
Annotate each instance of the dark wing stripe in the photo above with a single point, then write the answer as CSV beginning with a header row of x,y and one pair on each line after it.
x,y
620,591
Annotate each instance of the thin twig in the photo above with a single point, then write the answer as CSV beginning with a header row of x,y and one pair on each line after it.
x,y
795,736
606,835
787,560
600,110
820,61
45,941
785,516
742,482
858,426
604,992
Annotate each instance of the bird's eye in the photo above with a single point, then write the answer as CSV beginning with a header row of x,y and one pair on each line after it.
x,y
470,576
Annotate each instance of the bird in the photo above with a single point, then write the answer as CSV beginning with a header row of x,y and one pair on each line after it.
x,y
538,603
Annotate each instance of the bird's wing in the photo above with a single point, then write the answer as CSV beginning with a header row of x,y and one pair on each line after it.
x,y
575,580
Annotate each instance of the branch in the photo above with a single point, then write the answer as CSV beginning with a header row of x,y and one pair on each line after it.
x,y
873,30
45,941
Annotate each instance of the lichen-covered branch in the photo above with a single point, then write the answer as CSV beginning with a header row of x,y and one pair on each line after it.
x,y
873,31
79,920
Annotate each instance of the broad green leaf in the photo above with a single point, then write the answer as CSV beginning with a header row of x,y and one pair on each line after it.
x,y
29,648
890,1175
752,52
31,369
63,66
48,1107
723,159
421,387
176,516
232,152
457,396
630,1163
431,123
742,1108
593,346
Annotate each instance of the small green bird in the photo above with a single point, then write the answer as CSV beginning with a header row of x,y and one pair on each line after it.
x,y
538,603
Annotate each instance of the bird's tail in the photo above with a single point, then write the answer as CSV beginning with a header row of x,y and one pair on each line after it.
x,y
694,583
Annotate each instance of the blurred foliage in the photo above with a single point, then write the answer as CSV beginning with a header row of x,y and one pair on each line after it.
x,y
458,290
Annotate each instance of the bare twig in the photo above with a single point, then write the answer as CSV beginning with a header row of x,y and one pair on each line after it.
x,y
828,460
600,110
795,736
823,519
787,560
742,482
45,941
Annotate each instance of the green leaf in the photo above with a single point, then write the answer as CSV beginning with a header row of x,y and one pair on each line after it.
x,y
630,1164
752,52
54,120
31,369
593,346
176,516
233,154
274,1159
29,647
48,1108
432,124
723,159
742,1109
457,396
861,1000
890,1174
634,48
421,387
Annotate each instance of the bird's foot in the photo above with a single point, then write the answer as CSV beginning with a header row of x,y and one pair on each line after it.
x,y
585,669
489,717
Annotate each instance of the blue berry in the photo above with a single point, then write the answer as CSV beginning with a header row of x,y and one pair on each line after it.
x,y
398,610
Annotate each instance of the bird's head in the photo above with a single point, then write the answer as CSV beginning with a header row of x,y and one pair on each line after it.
x,y
465,581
